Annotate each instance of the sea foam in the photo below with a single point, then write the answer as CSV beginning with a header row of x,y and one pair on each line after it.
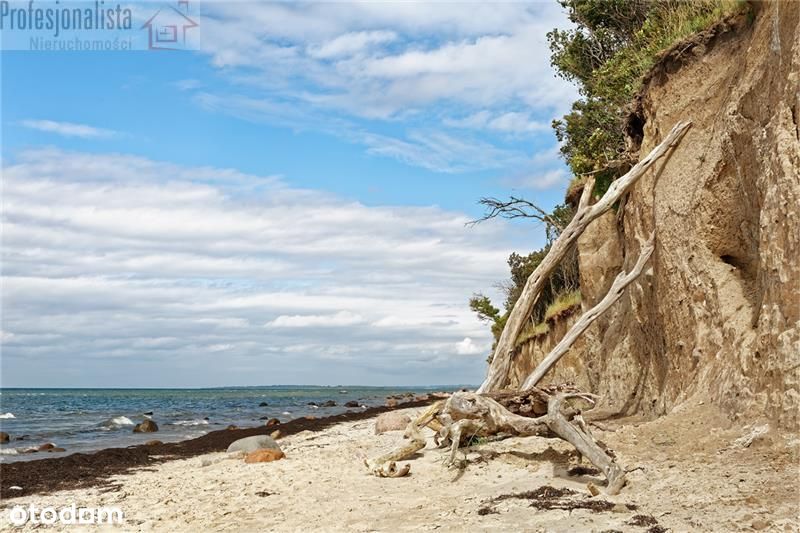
x,y
8,415
197,422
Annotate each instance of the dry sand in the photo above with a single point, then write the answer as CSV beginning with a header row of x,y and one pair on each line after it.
x,y
690,476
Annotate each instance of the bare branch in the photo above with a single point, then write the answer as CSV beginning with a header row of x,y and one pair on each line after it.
x,y
515,208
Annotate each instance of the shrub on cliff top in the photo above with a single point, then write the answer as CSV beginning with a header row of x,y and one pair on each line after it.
x,y
614,44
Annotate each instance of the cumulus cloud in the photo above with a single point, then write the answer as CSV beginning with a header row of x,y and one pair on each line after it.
x,y
119,269
68,129
469,347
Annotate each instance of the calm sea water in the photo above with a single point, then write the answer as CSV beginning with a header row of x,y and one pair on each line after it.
x,y
82,420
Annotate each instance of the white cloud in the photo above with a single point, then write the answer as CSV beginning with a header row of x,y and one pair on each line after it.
x,y
340,319
469,347
104,262
541,181
419,66
350,44
68,129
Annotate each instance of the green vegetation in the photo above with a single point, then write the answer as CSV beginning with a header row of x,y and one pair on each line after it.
x,y
562,303
613,46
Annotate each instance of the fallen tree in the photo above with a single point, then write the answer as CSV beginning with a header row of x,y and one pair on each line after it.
x,y
539,412
497,376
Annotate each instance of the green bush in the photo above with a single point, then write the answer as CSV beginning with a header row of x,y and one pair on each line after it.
x,y
615,43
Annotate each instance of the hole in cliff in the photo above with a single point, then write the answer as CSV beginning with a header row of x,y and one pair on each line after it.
x,y
733,261
634,126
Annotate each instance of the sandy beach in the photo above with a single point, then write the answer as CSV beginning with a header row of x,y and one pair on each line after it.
x,y
689,471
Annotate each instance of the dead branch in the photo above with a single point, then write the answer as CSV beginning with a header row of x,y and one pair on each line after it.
x,y
614,293
515,208
497,376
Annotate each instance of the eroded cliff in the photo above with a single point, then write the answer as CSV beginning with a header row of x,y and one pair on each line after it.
x,y
718,313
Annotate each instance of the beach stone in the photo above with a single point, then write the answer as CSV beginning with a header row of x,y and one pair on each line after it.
x,y
232,427
148,426
4,437
391,422
391,402
263,404
251,444
272,422
329,403
153,443
313,404
263,456
276,434
148,413
46,446
352,403
309,417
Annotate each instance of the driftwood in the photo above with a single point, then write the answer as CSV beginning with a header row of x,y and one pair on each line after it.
x,y
465,415
497,376
614,293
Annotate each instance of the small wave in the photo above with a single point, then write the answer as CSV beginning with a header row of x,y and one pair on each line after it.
x,y
8,415
117,422
8,451
197,422
287,413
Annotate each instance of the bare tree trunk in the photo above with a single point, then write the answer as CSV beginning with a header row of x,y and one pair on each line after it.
x,y
497,376
614,293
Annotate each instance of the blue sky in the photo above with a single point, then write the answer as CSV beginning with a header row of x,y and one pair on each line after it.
x,y
285,203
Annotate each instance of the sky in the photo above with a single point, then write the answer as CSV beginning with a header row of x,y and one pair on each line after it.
x,y
285,202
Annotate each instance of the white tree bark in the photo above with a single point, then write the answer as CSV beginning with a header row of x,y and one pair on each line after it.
x,y
614,293
497,376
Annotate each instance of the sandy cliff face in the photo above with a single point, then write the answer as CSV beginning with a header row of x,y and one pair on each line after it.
x,y
719,313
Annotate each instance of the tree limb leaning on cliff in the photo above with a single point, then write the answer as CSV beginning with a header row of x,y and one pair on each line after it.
x,y
497,376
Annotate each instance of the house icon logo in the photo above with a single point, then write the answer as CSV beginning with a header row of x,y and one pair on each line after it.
x,y
166,29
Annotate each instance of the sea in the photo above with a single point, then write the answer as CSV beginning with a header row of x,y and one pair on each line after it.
x,y
83,420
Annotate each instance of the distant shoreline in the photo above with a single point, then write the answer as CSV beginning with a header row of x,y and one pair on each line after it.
x,y
93,469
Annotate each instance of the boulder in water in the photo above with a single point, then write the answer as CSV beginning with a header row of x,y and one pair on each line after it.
x,y
148,426
46,446
329,403
391,422
263,456
148,413
251,444
391,402
232,427
352,403
4,437
263,404
272,422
